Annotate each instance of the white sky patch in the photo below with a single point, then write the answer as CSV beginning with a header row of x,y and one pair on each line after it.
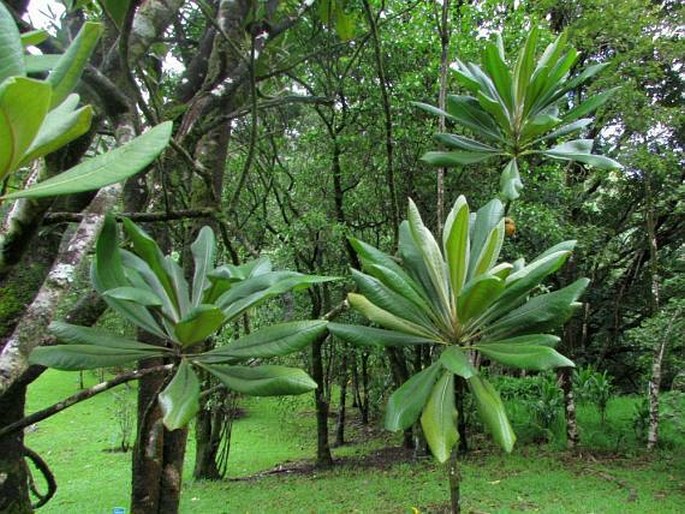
x,y
43,14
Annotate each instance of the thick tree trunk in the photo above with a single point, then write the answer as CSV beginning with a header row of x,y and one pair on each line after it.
x,y
14,494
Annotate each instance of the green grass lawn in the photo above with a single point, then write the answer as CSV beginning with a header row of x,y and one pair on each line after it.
x,y
612,475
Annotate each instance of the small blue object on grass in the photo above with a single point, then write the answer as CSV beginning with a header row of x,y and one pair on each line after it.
x,y
118,510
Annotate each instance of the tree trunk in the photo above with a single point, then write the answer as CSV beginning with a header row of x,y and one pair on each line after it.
x,y
340,429
655,380
324,459
572,432
14,494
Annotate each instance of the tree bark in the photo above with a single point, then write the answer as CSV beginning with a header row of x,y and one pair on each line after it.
x,y
324,459
340,428
572,433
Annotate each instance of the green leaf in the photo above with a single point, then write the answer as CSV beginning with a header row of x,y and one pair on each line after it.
x,y
203,250
387,319
510,181
464,143
498,71
40,63
143,297
262,380
567,129
524,65
483,262
590,105
105,169
407,402
141,275
116,10
180,400
524,356
487,218
61,126
273,341
469,113
478,294
387,299
541,313
492,412
77,334
179,285
455,241
34,37
430,252
76,357
11,50
369,336
257,289
579,150
448,159
67,72
403,285
23,107
200,323
439,418
457,362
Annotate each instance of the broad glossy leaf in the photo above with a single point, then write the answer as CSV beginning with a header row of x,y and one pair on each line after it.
x,y
77,334
432,257
11,50
369,336
407,402
510,181
387,299
524,65
439,418
40,63
579,150
468,112
539,314
403,285
133,294
139,272
413,263
116,10
146,248
203,250
455,158
76,357
105,169
483,262
23,106
564,246
200,323
262,380
487,218
568,128
107,270
455,241
492,412
528,339
274,341
255,290
387,319
498,70
32,38
524,356
455,360
179,284
496,108
180,400
61,126
67,72
478,294
465,143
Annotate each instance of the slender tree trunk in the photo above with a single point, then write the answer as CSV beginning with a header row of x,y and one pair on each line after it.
x,y
340,428
454,479
655,380
324,459
14,494
444,31
572,432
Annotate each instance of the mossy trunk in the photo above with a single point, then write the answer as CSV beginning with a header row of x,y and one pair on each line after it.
x,y
14,494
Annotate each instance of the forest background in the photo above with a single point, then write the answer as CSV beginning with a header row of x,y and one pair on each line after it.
x,y
294,128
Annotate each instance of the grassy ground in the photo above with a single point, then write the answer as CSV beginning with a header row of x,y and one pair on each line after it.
x,y
270,472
